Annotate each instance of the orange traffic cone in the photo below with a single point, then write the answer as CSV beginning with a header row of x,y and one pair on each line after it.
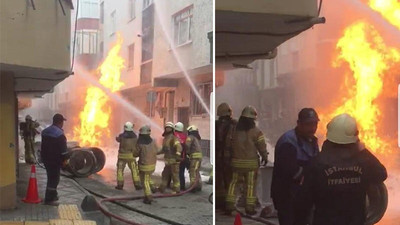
x,y
238,220
32,192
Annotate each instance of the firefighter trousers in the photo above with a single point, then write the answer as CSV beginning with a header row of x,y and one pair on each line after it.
x,y
222,181
148,184
194,173
250,181
171,171
29,150
132,164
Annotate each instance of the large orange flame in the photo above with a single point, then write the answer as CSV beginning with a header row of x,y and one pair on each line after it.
x,y
95,116
364,51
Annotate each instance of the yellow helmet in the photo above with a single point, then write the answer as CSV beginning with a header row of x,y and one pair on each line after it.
x,y
145,130
170,125
249,112
224,110
192,128
342,129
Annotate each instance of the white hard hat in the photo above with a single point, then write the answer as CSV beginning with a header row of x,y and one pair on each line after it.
x,y
179,126
249,112
128,126
342,129
192,128
170,125
145,130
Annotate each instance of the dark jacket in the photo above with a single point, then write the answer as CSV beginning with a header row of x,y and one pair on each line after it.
x,y
292,155
336,183
54,145
223,126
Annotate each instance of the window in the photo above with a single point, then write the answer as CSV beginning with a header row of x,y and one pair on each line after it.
x,y
147,3
204,90
102,13
88,9
113,22
145,72
131,56
132,8
183,26
86,42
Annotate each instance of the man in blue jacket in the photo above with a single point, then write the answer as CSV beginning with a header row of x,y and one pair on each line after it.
x,y
293,153
53,153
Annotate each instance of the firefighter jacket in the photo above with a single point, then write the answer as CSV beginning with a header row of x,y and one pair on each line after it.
x,y
246,146
172,149
292,155
127,145
223,127
147,152
54,145
336,183
193,147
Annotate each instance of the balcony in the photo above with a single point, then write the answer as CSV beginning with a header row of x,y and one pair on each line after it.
x,y
35,44
253,29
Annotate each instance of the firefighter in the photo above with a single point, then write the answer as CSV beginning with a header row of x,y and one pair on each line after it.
x,y
293,153
223,126
338,178
247,142
28,133
195,155
54,154
147,151
184,163
172,151
127,146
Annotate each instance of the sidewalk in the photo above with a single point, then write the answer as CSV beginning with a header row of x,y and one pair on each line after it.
x,y
191,208
69,193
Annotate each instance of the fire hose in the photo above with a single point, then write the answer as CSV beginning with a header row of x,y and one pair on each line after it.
x,y
106,212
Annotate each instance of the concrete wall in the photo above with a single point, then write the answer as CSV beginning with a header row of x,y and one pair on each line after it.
x,y
285,7
192,55
7,142
35,38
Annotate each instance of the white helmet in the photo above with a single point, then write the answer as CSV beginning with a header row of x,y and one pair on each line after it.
x,y
192,128
170,125
128,126
179,126
145,130
342,129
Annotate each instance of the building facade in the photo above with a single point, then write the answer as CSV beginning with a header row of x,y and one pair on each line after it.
x,y
29,68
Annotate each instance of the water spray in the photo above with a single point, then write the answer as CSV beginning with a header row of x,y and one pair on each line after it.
x,y
178,58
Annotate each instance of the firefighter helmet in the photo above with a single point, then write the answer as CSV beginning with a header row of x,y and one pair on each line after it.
x,y
224,110
342,129
128,126
145,130
249,112
170,125
192,128
28,117
179,126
